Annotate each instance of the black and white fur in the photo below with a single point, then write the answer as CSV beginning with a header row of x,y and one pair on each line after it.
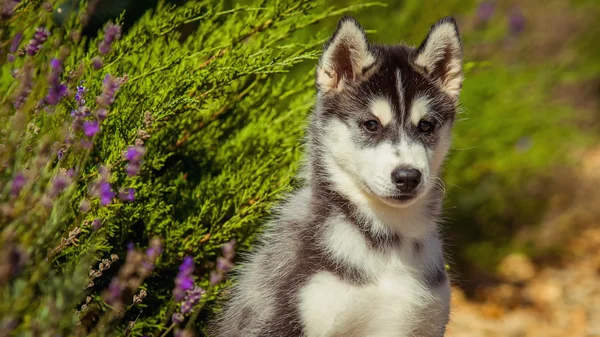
x,y
356,251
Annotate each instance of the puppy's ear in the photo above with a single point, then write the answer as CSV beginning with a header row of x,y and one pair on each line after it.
x,y
346,56
440,56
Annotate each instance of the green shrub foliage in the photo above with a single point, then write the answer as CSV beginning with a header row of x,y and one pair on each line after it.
x,y
125,152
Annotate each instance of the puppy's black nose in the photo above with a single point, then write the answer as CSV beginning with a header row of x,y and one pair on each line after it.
x,y
406,179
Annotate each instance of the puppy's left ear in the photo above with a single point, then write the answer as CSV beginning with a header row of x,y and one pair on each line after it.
x,y
440,56
346,57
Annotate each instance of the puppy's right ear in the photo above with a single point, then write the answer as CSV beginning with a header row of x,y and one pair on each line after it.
x,y
346,56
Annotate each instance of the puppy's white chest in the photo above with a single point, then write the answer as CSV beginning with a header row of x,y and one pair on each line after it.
x,y
394,305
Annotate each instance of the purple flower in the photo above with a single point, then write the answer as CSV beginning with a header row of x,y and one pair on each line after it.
x,y
97,62
134,153
191,299
516,21
154,250
90,128
127,195
35,44
57,90
85,205
132,169
86,144
184,281
80,94
96,224
485,11
59,183
8,8
14,46
224,264
215,277
130,247
177,318
229,249
56,64
101,113
25,77
104,172
15,42
106,193
60,154
56,93
78,117
114,291
111,33
110,86
17,184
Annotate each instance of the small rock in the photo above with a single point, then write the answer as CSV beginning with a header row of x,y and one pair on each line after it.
x,y
543,293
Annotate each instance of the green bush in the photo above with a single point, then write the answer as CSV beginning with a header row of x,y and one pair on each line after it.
x,y
163,138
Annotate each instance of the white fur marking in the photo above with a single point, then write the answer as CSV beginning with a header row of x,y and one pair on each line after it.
x,y
419,109
322,302
382,108
349,166
394,304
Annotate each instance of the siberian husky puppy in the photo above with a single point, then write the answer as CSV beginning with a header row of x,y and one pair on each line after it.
x,y
356,251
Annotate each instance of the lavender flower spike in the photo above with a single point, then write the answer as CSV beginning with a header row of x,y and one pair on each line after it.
x,y
57,90
96,224
106,193
134,155
177,318
110,85
184,281
127,195
59,183
15,42
35,44
516,21
97,62
79,96
229,249
8,8
17,184
154,250
14,46
485,11
25,77
191,299
111,32
90,128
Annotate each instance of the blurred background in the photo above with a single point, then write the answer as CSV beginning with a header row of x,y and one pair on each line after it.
x,y
523,177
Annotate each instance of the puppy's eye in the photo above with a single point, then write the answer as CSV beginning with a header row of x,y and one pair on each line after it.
x,y
426,127
371,125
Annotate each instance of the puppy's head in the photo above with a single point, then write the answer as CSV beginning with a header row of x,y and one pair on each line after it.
x,y
385,112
